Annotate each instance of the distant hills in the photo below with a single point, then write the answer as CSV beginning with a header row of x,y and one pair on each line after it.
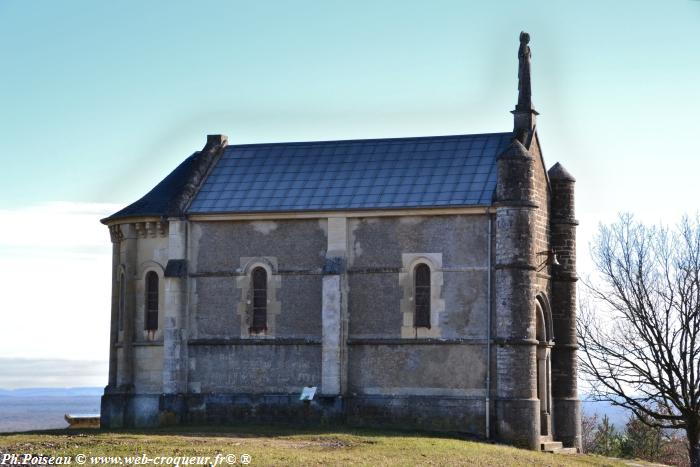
x,y
27,409
617,415
51,392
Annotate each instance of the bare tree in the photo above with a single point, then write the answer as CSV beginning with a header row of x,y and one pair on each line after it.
x,y
589,425
639,335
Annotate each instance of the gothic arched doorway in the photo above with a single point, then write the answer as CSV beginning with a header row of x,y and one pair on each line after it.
x,y
544,364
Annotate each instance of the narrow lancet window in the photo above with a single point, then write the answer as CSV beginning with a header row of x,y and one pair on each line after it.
x,y
259,289
151,318
422,296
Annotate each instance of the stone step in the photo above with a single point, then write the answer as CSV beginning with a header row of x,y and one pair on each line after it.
x,y
556,447
551,446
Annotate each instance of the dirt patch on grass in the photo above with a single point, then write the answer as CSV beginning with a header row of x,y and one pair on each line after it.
x,y
280,441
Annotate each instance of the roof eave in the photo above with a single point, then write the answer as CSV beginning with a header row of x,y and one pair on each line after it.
x,y
349,212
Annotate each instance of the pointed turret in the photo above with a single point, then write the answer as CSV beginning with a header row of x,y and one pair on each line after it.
x,y
558,172
524,115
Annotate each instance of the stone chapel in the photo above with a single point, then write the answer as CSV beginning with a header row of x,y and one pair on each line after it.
x,y
419,282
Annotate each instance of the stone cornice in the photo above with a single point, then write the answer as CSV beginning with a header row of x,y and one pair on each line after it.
x,y
133,220
515,203
564,277
513,341
151,229
414,341
254,341
516,265
563,221
350,213
115,234
145,228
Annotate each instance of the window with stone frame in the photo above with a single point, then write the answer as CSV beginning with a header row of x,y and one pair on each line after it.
x,y
259,300
151,308
421,277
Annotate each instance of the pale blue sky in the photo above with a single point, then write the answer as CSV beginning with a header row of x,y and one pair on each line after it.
x,y
100,100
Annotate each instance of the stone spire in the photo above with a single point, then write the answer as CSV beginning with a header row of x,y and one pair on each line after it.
x,y
524,113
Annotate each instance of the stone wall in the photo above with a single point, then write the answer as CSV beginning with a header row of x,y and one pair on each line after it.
x,y
148,369
217,247
136,361
220,252
542,195
374,295
427,369
258,368
435,379
389,372
223,357
379,242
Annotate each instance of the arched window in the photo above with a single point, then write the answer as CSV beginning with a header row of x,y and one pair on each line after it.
x,y
151,318
421,276
259,290
122,302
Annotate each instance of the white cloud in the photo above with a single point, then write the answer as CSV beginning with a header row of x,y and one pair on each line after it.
x,y
56,224
51,373
56,261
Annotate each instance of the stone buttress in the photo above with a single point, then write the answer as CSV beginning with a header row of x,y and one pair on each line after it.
x,y
567,407
516,403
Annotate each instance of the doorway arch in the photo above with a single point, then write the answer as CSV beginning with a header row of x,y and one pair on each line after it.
x,y
545,341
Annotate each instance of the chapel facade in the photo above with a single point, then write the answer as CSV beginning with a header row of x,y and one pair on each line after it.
x,y
421,282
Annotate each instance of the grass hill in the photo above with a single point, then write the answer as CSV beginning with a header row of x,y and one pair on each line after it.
x,y
289,446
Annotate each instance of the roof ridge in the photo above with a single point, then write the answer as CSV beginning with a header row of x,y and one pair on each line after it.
x,y
367,140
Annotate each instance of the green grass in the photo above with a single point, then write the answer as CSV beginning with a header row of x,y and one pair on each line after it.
x,y
287,446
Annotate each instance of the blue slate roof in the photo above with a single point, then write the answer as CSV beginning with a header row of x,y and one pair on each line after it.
x,y
439,171
161,199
